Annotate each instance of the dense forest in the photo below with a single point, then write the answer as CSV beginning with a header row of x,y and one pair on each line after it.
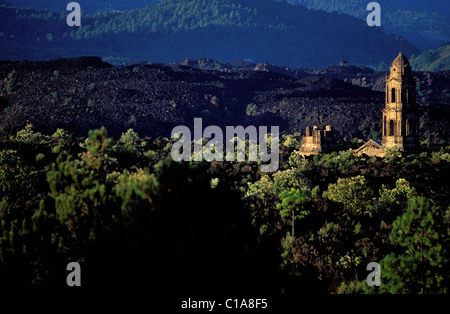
x,y
229,30
91,6
87,173
432,60
123,207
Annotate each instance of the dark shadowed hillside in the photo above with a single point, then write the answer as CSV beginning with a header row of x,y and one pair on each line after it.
x,y
226,30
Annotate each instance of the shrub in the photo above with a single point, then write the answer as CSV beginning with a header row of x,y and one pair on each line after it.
x,y
353,287
262,188
11,82
400,194
297,161
39,157
251,109
151,154
441,155
291,178
292,140
391,154
426,142
132,120
128,142
14,174
348,262
28,136
354,193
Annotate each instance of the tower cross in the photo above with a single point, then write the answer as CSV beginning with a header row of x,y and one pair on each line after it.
x,y
401,44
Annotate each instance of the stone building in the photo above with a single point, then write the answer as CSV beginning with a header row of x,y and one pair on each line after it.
x,y
318,139
400,114
400,119
371,148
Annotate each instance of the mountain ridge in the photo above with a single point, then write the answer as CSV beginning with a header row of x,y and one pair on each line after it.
x,y
228,30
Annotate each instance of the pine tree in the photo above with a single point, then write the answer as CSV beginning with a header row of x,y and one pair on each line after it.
x,y
292,202
421,264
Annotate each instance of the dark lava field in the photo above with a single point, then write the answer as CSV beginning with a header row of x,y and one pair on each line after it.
x,y
84,93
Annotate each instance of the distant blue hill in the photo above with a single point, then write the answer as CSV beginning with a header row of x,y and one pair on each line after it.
x,y
226,30
424,23
88,6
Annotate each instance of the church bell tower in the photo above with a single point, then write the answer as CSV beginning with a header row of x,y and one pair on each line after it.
x,y
400,115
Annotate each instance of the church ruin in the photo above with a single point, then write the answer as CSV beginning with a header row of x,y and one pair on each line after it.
x,y
318,140
400,114
400,119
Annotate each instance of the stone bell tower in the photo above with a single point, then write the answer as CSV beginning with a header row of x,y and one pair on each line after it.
x,y
400,115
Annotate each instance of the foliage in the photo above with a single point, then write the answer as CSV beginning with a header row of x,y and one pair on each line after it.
x,y
416,16
354,287
297,161
291,205
402,192
423,251
348,262
291,178
442,155
251,109
338,160
128,142
28,136
292,141
432,60
354,193
11,84
391,154
107,202
14,174
262,188
81,199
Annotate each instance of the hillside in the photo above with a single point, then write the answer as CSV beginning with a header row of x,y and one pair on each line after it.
x,y
229,30
85,93
87,6
424,23
432,60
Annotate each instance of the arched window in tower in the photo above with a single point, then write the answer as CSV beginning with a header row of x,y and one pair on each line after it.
x,y
393,95
384,127
391,128
409,127
403,95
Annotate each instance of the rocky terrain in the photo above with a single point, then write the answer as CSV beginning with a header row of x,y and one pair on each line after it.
x,y
83,93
